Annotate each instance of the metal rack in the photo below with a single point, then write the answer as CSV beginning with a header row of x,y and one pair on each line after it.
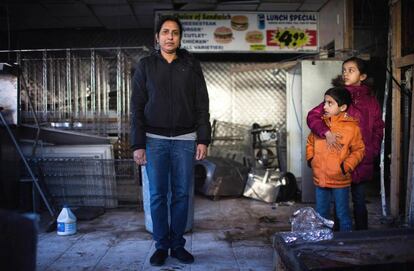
x,y
84,89
105,183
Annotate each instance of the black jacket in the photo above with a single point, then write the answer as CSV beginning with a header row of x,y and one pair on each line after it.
x,y
169,99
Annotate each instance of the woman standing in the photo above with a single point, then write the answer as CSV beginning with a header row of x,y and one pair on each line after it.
x,y
169,128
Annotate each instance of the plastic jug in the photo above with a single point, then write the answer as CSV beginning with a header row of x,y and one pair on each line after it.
x,y
66,222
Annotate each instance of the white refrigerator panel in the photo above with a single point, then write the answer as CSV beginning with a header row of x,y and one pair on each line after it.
x,y
306,85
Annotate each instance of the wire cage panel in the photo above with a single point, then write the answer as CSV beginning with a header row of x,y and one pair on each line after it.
x,y
85,90
89,182
245,97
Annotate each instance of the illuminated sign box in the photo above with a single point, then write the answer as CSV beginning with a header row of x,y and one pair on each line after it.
x,y
247,32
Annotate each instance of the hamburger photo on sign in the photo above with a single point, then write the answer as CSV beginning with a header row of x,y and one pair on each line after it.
x,y
239,22
254,36
223,35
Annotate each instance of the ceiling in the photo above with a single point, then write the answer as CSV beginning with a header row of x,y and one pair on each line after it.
x,y
123,14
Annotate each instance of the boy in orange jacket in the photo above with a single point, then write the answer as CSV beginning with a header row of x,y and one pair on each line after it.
x,y
331,167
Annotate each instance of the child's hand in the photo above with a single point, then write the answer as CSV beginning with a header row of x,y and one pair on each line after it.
x,y
332,139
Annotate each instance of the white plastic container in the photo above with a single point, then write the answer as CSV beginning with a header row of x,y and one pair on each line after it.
x,y
66,222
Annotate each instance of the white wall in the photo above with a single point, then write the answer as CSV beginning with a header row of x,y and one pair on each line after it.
x,y
294,120
306,84
331,24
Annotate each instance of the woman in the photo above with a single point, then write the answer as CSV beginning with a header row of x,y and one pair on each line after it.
x,y
169,127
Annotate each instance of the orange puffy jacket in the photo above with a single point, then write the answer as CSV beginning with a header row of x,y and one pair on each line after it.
x,y
332,168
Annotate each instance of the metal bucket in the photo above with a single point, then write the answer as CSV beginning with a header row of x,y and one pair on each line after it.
x,y
264,184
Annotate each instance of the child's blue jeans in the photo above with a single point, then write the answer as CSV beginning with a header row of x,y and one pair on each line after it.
x,y
341,198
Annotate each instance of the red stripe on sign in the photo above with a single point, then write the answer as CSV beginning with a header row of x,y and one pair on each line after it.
x,y
270,40
313,38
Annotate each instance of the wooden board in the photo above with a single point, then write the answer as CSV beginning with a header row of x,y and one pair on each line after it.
x,y
360,250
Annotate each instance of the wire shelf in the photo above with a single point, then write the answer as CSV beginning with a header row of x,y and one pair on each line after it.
x,y
89,182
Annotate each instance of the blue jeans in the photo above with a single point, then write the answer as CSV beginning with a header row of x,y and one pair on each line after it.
x,y
341,198
169,162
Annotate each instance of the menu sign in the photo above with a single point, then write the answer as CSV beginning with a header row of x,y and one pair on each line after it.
x,y
276,32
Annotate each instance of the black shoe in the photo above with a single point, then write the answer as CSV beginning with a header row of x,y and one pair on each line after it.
x,y
182,255
159,256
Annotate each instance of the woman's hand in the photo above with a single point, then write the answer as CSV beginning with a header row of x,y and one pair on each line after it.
x,y
140,157
201,152
332,139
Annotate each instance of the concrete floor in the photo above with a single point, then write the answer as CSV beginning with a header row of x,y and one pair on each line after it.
x,y
228,234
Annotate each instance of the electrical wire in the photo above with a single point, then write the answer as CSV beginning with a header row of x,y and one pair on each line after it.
x,y
293,100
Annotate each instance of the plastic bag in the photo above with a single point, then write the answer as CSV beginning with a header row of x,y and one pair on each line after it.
x,y
308,226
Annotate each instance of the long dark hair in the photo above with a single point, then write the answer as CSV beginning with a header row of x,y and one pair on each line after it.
x,y
163,19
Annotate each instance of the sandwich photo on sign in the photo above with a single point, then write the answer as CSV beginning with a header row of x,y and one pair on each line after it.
x,y
223,35
239,22
254,36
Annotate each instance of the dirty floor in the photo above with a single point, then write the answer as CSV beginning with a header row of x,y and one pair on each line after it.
x,y
228,234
